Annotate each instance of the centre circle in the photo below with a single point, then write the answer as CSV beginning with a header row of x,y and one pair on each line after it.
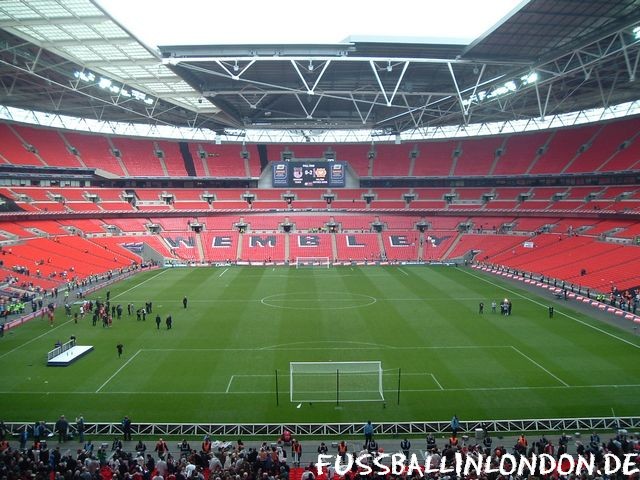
x,y
316,301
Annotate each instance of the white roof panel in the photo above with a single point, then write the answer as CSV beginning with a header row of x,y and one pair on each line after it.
x,y
82,32
109,52
30,32
48,8
82,8
122,71
81,53
19,11
135,50
110,30
51,32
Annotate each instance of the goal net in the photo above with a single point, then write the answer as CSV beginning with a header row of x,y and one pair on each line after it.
x,y
336,381
313,262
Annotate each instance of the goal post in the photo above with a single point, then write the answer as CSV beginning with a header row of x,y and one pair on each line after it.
x,y
313,262
336,382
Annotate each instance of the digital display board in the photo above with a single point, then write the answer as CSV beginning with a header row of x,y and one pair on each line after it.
x,y
309,174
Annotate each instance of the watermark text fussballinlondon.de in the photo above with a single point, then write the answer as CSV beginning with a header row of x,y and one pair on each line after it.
x,y
478,464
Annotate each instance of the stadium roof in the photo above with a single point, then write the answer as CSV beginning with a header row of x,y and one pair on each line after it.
x,y
547,57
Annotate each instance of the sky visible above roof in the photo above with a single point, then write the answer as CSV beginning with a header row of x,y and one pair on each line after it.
x,y
211,22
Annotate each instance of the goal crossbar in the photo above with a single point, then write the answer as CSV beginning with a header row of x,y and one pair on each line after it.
x,y
336,381
321,262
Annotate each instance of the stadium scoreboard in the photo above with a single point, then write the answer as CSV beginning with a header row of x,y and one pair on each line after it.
x,y
309,174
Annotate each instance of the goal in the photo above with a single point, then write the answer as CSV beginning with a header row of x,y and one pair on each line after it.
x,y
336,381
313,262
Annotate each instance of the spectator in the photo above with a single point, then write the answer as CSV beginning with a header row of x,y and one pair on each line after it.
x,y
455,425
80,428
161,448
405,446
126,428
141,448
286,437
368,434
62,427
296,452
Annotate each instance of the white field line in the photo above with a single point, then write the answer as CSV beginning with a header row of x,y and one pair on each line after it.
x,y
229,384
255,392
540,366
35,338
403,271
545,306
214,301
117,371
223,272
436,380
318,275
141,283
246,375
413,374
304,346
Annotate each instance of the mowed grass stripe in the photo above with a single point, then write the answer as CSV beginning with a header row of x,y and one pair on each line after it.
x,y
571,341
424,321
559,351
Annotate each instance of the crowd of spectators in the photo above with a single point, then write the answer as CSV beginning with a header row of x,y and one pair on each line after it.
x,y
20,298
628,300
278,460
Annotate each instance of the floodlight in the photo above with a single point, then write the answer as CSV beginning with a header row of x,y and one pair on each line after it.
x,y
104,83
529,79
235,66
84,76
636,32
310,66
389,66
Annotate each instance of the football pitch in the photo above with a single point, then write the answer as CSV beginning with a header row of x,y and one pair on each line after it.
x,y
227,357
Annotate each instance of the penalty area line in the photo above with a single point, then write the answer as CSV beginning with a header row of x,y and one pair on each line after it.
x,y
545,306
436,380
118,371
540,366
141,283
259,392
35,338
425,374
229,384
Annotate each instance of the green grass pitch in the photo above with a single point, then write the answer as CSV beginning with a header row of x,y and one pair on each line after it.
x,y
218,363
